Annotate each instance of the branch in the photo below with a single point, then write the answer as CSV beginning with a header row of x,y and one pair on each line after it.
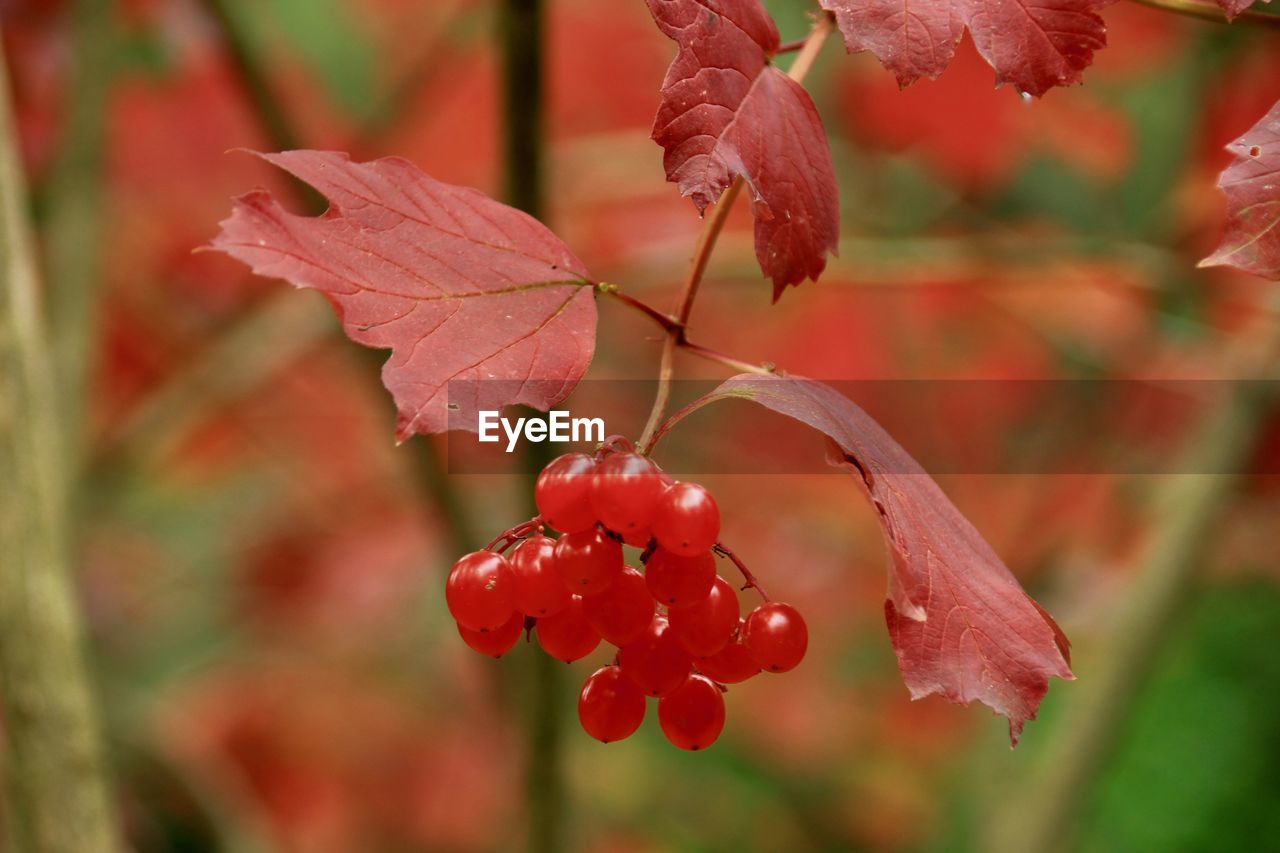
x,y
674,327
1212,12
706,245
56,768
668,322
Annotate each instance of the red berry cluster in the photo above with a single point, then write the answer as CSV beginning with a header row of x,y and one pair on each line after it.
x,y
676,625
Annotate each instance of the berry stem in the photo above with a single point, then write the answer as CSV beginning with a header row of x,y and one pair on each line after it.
x,y
508,537
675,337
751,582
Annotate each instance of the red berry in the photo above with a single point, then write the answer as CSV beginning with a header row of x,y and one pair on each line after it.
x,y
706,627
638,538
622,612
538,588
692,716
624,492
656,662
687,521
562,493
775,636
731,664
680,581
497,642
588,561
610,707
567,636
479,591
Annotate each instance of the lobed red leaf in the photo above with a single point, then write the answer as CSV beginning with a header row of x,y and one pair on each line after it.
x,y
1252,186
456,285
960,623
1033,44
726,112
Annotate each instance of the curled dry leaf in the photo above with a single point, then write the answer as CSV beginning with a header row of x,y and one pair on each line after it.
x,y
460,288
1033,44
726,112
1252,187
960,623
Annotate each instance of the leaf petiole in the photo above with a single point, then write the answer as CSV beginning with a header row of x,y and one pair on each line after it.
x,y
751,582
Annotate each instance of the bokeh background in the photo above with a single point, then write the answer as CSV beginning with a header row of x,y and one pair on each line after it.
x,y
262,570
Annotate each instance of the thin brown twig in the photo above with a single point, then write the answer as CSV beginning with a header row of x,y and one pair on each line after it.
x,y
668,322
822,28
751,581
1213,12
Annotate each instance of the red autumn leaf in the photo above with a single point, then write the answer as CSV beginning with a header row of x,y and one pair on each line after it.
x,y
726,111
1033,44
960,623
456,285
1252,186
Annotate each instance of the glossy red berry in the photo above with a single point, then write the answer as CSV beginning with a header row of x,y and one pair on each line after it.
x,y
687,520
624,492
775,636
497,642
479,592
692,716
562,493
680,581
731,664
537,586
610,707
656,662
567,636
706,627
588,561
638,538
622,612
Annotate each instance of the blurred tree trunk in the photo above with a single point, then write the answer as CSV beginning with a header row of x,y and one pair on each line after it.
x,y
522,37
60,800
1043,814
